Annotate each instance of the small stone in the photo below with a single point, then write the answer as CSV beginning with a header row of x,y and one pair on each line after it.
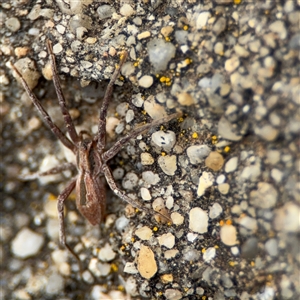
x,y
287,218
205,181
231,164
265,196
153,109
163,140
106,253
250,249
144,35
105,11
219,26
146,159
129,116
214,161
271,247
279,28
166,31
167,240
177,218
26,243
160,53
248,223
55,284
209,254
232,64
146,263
166,278
185,99
150,178
168,164
224,188
130,181
226,130
277,175
130,268
57,48
267,132
198,220
241,51
228,235
215,211
21,51
146,81
144,233
145,194
172,294
13,24
197,153
126,10
171,253
202,19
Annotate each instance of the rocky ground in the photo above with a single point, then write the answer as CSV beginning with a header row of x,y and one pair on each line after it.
x,y
226,171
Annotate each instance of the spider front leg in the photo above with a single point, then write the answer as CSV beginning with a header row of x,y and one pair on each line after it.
x,y
60,207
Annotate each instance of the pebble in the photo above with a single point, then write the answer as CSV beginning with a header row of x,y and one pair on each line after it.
x,y
228,235
206,180
146,159
164,140
145,194
130,286
171,253
198,220
232,64
214,161
27,68
191,237
202,19
144,233
106,253
277,175
219,26
130,181
105,11
150,178
145,81
185,99
209,254
153,109
197,153
215,211
249,249
98,268
168,164
130,268
143,35
279,28
167,240
27,243
126,10
146,262
287,218
55,284
129,116
160,53
173,294
265,196
166,278
248,223
13,24
224,188
231,164
267,132
226,130
177,218
57,48
271,247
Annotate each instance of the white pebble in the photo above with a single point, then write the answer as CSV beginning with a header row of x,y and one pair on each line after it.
x,y
26,243
228,235
215,211
287,218
202,19
150,178
130,181
144,233
205,181
129,116
145,194
106,253
167,240
191,237
146,159
197,153
231,165
164,140
126,10
198,220
146,81
168,164
209,254
177,218
130,268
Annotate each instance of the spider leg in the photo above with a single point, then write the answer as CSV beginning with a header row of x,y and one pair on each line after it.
x,y
57,132
60,207
53,171
101,136
121,194
61,99
120,143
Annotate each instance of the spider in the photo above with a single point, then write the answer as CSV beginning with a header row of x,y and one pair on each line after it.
x,y
91,156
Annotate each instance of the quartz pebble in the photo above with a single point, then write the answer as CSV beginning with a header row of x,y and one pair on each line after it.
x,y
13,24
160,53
130,268
224,188
173,294
144,233
147,159
145,194
167,240
177,218
226,130
146,81
185,99
146,263
197,153
105,11
231,164
168,164
228,235
106,253
198,220
163,140
27,243
265,196
209,254
205,181
215,211
267,132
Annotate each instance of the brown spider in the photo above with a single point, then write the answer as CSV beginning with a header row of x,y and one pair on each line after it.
x,y
91,157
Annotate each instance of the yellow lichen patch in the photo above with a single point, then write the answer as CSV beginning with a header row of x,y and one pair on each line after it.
x,y
216,246
155,229
122,248
132,239
237,1
228,222
163,154
188,61
114,267
232,263
136,63
214,139
51,197
222,223
185,27
227,149
252,263
203,250
144,112
121,288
